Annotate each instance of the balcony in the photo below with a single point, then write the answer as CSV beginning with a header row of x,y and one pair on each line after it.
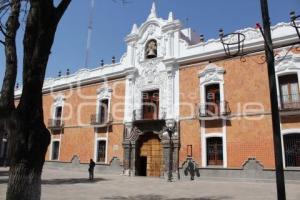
x,y
55,124
98,121
289,104
213,111
139,115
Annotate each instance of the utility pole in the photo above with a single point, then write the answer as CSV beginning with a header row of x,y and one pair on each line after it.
x,y
274,101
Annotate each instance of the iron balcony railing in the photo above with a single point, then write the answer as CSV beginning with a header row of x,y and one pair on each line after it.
x,y
215,110
289,102
98,120
55,123
157,115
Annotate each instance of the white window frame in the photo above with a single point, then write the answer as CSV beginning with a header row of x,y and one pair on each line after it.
x,y
51,149
59,101
290,65
212,74
204,149
99,106
96,149
283,133
103,94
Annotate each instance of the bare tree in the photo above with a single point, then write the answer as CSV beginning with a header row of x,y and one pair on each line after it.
x,y
24,123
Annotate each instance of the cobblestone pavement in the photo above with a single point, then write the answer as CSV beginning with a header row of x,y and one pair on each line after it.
x,y
62,184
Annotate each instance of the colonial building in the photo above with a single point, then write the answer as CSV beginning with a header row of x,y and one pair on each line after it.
x,y
176,103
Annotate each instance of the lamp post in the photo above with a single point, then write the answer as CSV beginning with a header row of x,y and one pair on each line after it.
x,y
170,129
266,33
274,102
294,23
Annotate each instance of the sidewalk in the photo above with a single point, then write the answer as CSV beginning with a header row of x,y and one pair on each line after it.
x,y
60,184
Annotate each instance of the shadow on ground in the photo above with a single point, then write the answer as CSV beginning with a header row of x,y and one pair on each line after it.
x,y
69,181
159,197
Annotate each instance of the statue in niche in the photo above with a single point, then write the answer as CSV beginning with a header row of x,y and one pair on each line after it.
x,y
151,49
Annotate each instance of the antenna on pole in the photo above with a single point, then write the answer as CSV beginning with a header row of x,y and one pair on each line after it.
x,y
89,35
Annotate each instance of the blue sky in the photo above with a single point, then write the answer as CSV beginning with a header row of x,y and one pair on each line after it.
x,y
112,21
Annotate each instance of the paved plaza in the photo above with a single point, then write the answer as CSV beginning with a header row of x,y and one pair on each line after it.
x,y
62,184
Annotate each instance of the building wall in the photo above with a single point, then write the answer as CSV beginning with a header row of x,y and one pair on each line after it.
x,y
245,81
78,136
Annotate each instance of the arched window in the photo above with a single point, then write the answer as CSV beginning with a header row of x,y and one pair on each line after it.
x,y
151,49
292,150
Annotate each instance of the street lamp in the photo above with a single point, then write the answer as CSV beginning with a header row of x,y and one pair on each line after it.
x,y
232,41
170,124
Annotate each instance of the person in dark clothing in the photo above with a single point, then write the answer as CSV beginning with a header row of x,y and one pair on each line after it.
x,y
91,169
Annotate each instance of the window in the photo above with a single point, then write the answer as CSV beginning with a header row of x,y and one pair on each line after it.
x,y
55,150
289,91
214,151
103,111
212,101
58,116
151,49
151,104
101,151
292,150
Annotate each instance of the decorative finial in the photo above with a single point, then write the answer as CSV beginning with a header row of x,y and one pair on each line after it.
x,y
153,11
134,29
171,17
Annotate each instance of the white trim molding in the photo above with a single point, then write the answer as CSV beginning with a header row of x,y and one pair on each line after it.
x,y
204,147
59,101
286,63
103,94
283,133
212,74
51,149
97,139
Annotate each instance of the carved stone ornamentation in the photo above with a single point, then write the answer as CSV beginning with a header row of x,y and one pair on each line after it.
x,y
104,93
211,73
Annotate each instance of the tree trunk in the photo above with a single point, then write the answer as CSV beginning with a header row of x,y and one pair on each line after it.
x,y
30,140
28,135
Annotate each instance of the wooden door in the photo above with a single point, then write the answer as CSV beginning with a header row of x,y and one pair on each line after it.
x,y
214,151
152,150
150,104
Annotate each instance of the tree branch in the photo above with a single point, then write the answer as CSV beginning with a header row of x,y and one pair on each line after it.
x,y
41,25
61,8
3,31
7,103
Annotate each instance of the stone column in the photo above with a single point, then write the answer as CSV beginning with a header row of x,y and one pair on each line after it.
x,y
133,157
176,147
173,148
126,160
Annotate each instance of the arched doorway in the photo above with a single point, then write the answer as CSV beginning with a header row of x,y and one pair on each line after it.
x,y
149,160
